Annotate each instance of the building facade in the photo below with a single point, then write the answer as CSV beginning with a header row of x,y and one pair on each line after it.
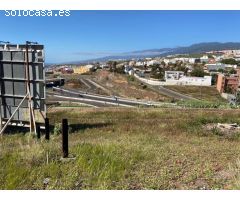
x,y
227,84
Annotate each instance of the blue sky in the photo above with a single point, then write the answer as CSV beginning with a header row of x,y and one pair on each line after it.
x,y
90,34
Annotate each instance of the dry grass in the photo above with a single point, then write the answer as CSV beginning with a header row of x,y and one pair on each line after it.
x,y
126,149
126,86
205,93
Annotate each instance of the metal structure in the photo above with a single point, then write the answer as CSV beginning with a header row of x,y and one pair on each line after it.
x,y
22,89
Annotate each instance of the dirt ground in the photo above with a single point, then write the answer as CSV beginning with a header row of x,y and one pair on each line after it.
x,y
125,86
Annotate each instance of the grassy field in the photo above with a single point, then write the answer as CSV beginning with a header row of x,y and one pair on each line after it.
x,y
204,92
126,149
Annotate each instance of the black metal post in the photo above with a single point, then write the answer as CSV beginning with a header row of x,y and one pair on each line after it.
x,y
38,132
65,138
47,136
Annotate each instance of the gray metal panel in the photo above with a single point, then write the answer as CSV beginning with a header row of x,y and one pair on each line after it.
x,y
18,100
18,70
8,86
6,55
9,101
13,79
18,56
19,88
7,70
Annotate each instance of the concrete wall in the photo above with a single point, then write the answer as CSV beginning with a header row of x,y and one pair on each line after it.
x,y
150,82
195,81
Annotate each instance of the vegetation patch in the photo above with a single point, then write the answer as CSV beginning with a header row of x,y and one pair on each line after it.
x,y
118,148
202,93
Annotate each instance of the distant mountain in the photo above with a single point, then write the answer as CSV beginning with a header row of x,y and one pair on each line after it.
x,y
193,49
205,47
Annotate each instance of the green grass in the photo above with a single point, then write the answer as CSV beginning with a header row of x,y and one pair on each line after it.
x,y
203,93
204,104
126,149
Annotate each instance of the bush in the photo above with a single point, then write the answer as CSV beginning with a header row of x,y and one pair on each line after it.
x,y
131,78
57,129
198,72
201,104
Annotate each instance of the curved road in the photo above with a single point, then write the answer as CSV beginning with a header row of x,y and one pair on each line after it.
x,y
95,99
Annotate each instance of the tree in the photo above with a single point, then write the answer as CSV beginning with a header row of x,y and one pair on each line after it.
x,y
157,72
232,71
163,63
229,61
221,70
210,56
120,70
198,72
229,90
112,65
181,67
238,97
214,79
97,65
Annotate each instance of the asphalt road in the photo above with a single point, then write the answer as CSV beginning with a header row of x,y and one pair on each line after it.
x,y
57,98
97,100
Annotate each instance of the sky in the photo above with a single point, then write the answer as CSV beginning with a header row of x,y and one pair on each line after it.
x,y
92,34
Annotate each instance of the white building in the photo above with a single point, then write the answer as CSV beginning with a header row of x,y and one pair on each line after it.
x,y
194,81
152,62
184,60
89,66
132,63
197,81
169,60
103,66
231,66
204,58
173,75
192,60
140,63
178,78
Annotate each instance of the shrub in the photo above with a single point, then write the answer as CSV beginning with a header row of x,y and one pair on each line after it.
x,y
131,78
57,129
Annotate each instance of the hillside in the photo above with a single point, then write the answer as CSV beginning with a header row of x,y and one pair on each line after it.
x,y
204,93
126,149
192,49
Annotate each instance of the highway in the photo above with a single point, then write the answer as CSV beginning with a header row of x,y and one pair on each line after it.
x,y
51,97
60,94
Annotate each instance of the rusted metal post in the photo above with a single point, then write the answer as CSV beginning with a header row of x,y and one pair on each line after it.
x,y
65,138
47,135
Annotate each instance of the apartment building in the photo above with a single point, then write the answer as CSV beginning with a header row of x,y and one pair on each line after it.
x,y
224,83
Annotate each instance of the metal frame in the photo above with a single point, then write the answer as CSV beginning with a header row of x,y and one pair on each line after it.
x,y
30,83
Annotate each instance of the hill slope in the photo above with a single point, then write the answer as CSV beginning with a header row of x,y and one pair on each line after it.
x,y
126,149
195,48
